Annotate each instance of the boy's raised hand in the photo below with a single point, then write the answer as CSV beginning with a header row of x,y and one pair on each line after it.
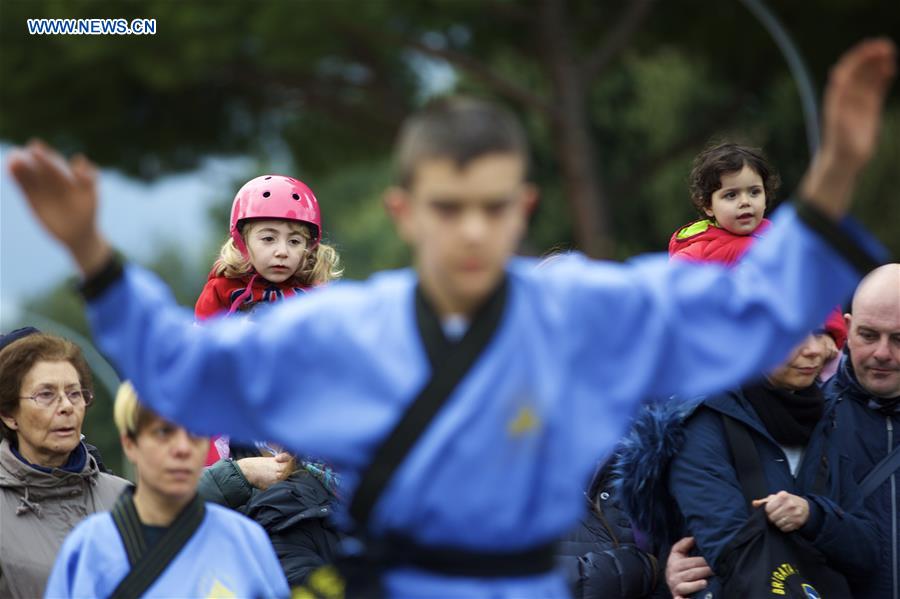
x,y
63,196
852,109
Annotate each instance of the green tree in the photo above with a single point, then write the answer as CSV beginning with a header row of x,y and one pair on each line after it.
x,y
618,95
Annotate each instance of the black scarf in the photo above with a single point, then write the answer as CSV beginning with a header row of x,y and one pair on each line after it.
x,y
789,416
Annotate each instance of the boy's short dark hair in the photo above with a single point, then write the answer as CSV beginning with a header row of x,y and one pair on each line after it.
x,y
722,158
459,128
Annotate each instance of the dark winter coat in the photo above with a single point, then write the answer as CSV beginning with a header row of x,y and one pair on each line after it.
x,y
295,514
710,504
867,436
38,509
599,557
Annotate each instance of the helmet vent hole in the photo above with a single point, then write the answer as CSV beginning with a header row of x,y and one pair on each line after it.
x,y
267,178
266,194
295,196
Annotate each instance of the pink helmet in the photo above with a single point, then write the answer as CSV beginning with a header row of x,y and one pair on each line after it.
x,y
275,197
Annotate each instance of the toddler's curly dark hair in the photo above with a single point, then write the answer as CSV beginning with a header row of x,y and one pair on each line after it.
x,y
722,158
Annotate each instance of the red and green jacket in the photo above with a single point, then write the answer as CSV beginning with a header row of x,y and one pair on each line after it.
x,y
704,241
220,293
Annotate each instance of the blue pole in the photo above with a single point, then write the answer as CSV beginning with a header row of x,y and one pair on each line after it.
x,y
800,73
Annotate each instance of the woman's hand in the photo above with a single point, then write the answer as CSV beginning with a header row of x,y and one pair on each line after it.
x,y
787,512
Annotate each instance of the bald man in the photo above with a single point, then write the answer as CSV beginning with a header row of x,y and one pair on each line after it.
x,y
867,427
867,391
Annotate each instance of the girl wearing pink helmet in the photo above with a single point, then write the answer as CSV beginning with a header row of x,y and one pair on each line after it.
x,y
274,248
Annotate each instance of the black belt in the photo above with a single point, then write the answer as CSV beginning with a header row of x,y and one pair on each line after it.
x,y
399,552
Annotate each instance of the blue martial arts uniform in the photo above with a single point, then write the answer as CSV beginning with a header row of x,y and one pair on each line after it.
x,y
503,465
229,555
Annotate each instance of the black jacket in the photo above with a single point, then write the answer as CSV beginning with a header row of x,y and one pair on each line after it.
x,y
599,557
294,514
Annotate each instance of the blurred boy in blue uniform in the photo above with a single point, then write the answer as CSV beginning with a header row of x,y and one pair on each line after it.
x,y
499,472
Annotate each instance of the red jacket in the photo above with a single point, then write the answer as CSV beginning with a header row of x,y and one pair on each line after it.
x,y
703,241
220,293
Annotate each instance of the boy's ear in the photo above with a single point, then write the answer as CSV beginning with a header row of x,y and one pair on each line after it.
x,y
532,198
848,318
397,204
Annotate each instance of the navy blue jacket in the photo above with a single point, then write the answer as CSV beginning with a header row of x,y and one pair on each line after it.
x,y
705,487
867,436
678,479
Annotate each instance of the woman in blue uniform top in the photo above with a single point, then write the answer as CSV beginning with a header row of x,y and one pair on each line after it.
x,y
160,540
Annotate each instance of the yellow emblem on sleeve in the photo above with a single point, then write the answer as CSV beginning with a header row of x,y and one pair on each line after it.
x,y
526,420
220,591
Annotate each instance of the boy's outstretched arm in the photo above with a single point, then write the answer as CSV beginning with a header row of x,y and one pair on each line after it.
x,y
852,110
692,329
63,196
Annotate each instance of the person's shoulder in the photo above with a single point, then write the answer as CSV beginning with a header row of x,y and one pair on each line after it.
x,y
222,284
95,527
112,482
221,514
708,411
233,524
537,271
694,229
380,285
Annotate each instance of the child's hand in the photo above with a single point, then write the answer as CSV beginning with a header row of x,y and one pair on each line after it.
x,y
787,512
852,110
263,472
63,196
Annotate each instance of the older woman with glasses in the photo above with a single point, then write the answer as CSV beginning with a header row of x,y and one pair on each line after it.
x,y
48,480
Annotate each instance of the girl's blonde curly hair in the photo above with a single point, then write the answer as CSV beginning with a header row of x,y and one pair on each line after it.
x,y
320,266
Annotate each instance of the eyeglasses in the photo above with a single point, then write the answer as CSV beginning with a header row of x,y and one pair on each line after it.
x,y
47,397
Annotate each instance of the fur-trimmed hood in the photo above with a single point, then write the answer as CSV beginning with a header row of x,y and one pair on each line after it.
x,y
642,463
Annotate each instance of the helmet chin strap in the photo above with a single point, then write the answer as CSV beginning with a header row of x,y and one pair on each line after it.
x,y
247,292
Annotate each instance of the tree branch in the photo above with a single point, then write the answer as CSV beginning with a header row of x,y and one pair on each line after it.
x,y
464,62
510,10
615,42
648,167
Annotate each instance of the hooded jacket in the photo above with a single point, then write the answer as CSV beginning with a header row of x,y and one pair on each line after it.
x,y
867,434
221,292
704,241
37,510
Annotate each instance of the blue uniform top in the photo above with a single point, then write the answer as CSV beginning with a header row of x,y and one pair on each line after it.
x,y
502,467
228,556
